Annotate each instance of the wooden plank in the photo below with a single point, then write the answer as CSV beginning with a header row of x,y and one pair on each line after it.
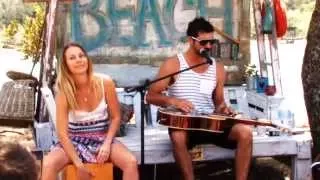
x,y
45,135
260,37
33,1
301,168
50,103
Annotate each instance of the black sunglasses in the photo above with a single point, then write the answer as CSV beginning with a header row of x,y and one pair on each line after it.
x,y
204,42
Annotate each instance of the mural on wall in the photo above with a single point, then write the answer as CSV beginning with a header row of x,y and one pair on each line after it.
x,y
135,36
143,24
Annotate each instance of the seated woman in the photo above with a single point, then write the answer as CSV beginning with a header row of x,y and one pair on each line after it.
x,y
88,117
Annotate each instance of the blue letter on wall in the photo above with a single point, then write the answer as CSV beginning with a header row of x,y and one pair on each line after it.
x,y
148,9
105,27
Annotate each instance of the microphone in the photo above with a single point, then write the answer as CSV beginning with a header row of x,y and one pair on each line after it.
x,y
204,53
142,83
129,89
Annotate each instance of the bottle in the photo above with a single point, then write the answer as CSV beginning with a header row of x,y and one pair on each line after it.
x,y
290,119
281,117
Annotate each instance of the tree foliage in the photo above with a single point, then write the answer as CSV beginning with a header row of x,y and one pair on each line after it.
x,y
33,25
25,19
298,14
11,30
13,10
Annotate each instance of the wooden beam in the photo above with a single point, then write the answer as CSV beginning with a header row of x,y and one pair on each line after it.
x,y
33,1
225,35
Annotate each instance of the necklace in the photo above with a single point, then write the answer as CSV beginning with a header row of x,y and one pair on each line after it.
x,y
85,96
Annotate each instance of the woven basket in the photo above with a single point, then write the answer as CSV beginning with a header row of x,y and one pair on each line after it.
x,y
17,100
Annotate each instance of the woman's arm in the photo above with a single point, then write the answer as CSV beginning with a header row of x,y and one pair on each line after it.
x,y
62,129
113,108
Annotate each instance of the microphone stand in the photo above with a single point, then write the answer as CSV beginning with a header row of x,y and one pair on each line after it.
x,y
142,90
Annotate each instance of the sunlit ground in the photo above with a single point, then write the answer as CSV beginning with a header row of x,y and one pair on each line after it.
x,y
11,59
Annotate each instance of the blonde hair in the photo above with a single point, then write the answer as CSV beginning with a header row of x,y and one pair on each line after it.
x,y
66,84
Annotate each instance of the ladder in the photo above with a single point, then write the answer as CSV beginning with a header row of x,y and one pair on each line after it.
x,y
269,66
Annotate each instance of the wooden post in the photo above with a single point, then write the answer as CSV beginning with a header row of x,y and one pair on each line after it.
x,y
46,63
260,37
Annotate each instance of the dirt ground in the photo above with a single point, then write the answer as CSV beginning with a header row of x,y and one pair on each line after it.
x,y
23,136
261,169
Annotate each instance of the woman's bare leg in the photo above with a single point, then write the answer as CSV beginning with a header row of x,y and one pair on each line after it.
x,y
125,160
53,162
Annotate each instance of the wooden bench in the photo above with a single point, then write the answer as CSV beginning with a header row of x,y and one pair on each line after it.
x,y
158,146
158,149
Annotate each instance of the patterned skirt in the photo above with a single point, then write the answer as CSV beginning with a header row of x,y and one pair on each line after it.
x,y
87,138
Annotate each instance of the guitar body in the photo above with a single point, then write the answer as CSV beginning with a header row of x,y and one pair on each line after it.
x,y
212,123
177,120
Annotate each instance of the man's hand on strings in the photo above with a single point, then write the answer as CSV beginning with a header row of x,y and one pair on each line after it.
x,y
224,109
181,104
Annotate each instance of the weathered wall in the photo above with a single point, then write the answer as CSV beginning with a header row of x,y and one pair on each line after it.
x,y
120,35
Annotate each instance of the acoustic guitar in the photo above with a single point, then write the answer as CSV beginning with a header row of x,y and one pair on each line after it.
x,y
213,123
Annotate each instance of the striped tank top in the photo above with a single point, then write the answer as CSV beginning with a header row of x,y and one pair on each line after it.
x,y
195,87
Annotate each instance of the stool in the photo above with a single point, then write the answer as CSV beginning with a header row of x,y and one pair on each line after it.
x,y
100,171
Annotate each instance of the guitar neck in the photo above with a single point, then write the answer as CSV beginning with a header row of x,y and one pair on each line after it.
x,y
254,122
242,120
212,122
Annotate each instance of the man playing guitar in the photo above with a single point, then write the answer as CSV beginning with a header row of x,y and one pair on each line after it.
x,y
199,89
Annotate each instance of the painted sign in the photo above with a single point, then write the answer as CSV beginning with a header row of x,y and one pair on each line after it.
x,y
142,23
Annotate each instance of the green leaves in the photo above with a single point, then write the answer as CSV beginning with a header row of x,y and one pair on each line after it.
x,y
250,70
33,25
11,30
13,10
